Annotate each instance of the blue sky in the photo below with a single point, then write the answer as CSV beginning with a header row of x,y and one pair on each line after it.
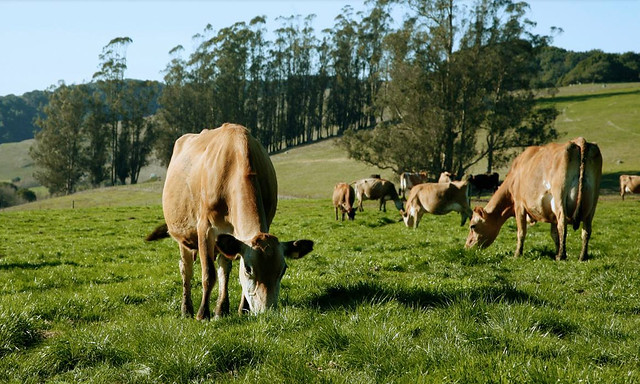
x,y
42,42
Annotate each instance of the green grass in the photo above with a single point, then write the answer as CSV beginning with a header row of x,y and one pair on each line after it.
x,y
84,299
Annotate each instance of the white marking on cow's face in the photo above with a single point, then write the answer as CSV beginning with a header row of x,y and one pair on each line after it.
x,y
547,185
261,270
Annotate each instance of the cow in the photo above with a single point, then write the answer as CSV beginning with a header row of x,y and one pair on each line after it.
x,y
343,198
446,177
437,199
219,197
629,184
376,189
408,180
484,182
558,183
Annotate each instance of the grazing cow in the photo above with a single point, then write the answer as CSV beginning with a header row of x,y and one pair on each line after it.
x,y
437,199
408,180
557,183
220,196
343,197
374,189
629,184
484,182
446,177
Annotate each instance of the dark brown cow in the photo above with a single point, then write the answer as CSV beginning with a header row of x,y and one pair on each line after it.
x,y
376,189
343,198
629,184
408,180
484,182
220,196
555,183
437,199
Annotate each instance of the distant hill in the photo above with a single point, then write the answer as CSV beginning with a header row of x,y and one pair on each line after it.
x,y
18,113
606,114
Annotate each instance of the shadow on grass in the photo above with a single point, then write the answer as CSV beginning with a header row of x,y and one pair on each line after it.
x,y
610,182
351,295
36,265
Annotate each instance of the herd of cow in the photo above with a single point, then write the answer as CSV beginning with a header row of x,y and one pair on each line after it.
x,y
220,196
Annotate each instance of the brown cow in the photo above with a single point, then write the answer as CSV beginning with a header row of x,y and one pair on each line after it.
x,y
556,183
220,196
446,177
629,184
437,199
408,180
374,189
343,197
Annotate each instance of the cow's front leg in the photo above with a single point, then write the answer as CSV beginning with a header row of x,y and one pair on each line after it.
x,y
243,308
224,269
383,205
521,223
205,249
186,271
417,218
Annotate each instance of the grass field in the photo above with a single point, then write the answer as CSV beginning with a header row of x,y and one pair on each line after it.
x,y
84,299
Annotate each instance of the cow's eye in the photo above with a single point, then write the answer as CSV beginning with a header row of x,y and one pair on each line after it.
x,y
472,227
248,270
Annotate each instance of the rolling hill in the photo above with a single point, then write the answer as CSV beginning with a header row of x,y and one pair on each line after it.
x,y
607,114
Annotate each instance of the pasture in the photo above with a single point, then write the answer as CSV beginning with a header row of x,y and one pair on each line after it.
x,y
84,299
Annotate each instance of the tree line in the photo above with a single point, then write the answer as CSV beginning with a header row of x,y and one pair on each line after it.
x,y
451,85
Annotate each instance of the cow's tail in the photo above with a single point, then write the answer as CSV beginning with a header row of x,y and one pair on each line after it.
x,y
161,232
576,218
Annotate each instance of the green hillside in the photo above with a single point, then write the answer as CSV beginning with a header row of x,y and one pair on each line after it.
x,y
608,115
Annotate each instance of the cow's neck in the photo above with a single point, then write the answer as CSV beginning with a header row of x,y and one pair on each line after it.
x,y
501,207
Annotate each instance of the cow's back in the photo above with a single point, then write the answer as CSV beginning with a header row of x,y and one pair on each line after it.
x,y
544,179
213,170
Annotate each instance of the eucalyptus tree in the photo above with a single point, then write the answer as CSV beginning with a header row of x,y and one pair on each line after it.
x,y
139,127
96,138
177,115
230,55
110,78
257,57
58,147
372,30
344,105
457,72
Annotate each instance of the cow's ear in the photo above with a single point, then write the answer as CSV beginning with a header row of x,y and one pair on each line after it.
x,y
297,249
479,211
229,246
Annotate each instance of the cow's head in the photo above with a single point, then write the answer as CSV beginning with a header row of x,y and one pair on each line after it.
x,y
262,265
351,213
483,230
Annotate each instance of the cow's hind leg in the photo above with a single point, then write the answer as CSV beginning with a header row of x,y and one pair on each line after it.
x,y
205,249
186,271
224,269
586,235
562,238
555,237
